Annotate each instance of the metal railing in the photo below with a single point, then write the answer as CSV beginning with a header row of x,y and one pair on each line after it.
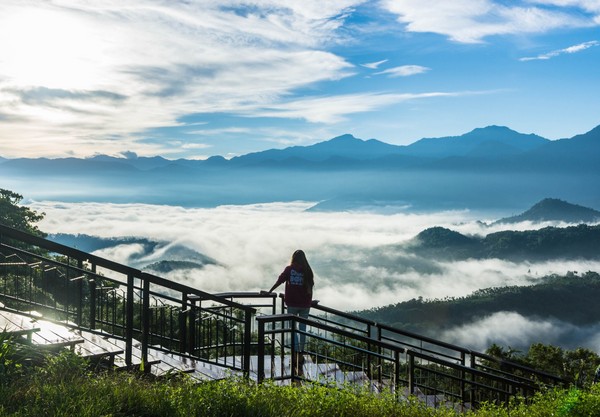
x,y
103,296
390,358
411,341
340,356
228,329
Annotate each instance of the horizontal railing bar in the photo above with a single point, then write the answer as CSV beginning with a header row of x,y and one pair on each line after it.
x,y
330,341
496,371
422,349
249,294
335,330
423,338
458,379
318,306
184,289
66,250
338,324
472,371
58,263
516,366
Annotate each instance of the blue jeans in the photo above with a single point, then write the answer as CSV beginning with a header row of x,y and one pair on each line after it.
x,y
302,312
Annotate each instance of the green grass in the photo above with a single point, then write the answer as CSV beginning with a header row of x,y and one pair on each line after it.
x,y
65,386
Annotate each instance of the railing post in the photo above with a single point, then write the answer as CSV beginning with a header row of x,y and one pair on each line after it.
x,y
192,328
379,350
129,320
273,311
183,313
293,347
411,372
370,336
260,371
80,294
93,299
247,342
463,377
145,323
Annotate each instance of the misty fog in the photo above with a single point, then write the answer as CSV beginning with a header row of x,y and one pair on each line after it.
x,y
357,257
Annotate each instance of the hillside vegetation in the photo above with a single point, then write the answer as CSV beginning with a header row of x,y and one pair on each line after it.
x,y
573,242
555,209
573,298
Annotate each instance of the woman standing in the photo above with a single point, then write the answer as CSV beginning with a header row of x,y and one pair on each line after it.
x,y
299,281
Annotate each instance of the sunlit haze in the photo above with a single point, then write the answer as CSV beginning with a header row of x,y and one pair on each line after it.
x,y
200,78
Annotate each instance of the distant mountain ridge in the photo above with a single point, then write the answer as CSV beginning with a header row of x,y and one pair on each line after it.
x,y
348,146
480,142
490,167
345,146
488,142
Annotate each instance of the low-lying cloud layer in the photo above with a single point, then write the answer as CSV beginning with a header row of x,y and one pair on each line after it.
x,y
507,328
358,258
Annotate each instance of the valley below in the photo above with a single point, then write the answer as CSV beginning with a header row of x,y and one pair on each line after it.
x,y
363,261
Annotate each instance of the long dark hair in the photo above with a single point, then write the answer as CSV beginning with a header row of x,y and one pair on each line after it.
x,y
299,258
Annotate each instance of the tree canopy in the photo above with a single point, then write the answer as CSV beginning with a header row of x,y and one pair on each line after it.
x,y
20,217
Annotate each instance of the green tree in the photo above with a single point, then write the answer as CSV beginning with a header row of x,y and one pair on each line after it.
x,y
547,357
20,217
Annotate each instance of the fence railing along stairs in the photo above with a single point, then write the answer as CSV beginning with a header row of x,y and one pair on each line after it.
x,y
137,319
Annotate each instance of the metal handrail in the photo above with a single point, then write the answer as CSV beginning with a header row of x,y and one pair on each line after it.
x,y
410,368
461,352
92,308
432,348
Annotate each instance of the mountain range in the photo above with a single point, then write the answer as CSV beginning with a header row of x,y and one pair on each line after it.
x,y
488,168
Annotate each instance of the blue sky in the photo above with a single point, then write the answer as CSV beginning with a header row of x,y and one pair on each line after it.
x,y
199,78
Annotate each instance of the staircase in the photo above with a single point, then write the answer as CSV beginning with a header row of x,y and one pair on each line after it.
x,y
57,297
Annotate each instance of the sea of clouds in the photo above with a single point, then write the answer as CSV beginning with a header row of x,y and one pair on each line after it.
x,y
358,257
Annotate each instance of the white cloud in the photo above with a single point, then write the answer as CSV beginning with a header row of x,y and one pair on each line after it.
x,y
358,258
570,50
77,75
333,109
590,6
374,65
404,71
508,328
471,21
121,253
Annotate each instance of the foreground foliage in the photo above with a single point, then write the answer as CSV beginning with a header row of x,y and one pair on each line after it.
x,y
65,385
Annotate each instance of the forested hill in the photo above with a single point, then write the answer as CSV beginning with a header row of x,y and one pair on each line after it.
x,y
570,298
550,209
574,242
